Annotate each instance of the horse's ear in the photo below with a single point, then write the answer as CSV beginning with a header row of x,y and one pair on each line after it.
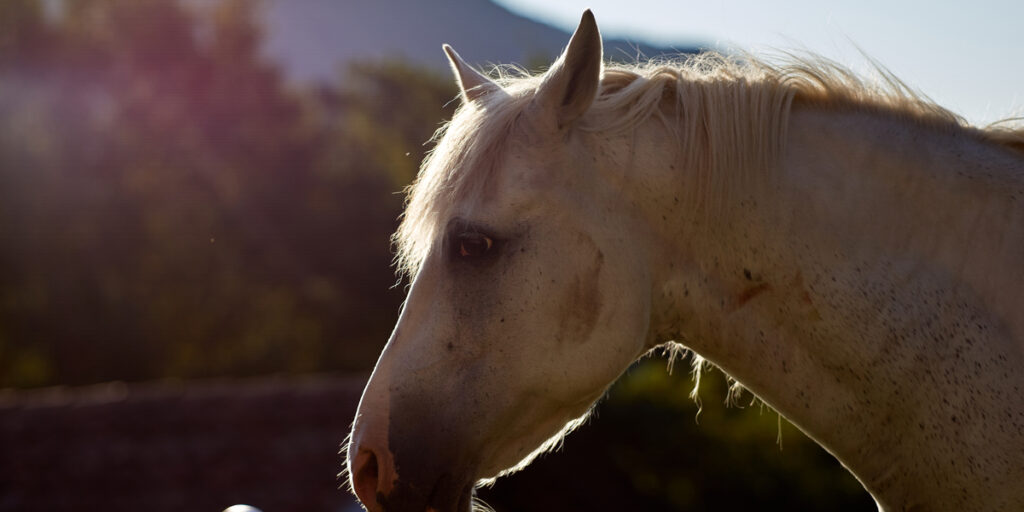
x,y
570,86
472,83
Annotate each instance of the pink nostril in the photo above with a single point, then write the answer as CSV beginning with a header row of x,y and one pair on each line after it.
x,y
365,476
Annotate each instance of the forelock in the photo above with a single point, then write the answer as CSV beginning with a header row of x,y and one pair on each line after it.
x,y
465,156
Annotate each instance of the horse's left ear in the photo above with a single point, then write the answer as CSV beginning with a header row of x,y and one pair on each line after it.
x,y
570,86
472,84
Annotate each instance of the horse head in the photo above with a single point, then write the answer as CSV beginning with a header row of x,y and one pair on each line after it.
x,y
526,300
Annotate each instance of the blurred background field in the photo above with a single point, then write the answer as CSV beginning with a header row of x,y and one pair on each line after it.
x,y
187,193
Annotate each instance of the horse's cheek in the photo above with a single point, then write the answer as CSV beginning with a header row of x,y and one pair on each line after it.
x,y
581,303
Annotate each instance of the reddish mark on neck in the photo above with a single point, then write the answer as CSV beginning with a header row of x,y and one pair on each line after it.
x,y
744,297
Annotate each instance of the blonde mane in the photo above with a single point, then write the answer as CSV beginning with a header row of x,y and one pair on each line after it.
x,y
714,104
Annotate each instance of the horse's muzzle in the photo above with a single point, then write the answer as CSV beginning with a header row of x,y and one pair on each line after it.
x,y
375,482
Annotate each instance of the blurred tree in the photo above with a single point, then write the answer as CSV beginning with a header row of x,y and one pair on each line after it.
x,y
23,32
171,208
374,131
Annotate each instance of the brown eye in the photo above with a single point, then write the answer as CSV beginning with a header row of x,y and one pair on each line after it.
x,y
474,244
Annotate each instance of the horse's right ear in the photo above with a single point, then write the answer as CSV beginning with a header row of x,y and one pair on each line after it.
x,y
472,83
572,83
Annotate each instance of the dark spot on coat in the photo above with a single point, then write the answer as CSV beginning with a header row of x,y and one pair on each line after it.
x,y
582,303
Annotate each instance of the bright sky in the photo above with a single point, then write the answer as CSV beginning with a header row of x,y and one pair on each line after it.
x,y
967,56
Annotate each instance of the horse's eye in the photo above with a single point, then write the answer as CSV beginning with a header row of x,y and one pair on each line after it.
x,y
472,245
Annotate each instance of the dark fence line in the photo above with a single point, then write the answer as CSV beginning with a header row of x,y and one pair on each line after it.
x,y
199,446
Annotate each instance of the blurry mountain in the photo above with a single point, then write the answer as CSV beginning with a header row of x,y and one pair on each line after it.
x,y
313,39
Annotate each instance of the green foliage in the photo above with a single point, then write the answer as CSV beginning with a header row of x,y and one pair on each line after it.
x,y
648,448
172,209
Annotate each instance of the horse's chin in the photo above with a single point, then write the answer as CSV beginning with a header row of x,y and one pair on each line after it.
x,y
447,495
465,500
465,504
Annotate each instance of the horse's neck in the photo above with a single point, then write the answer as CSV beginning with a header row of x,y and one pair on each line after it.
x,y
871,295
942,204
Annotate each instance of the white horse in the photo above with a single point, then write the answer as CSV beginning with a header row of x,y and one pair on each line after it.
x,y
852,254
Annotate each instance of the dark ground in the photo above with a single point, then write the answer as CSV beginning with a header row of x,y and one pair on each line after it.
x,y
273,443
177,447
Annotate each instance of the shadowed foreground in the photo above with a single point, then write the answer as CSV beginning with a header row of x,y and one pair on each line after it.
x,y
199,446
273,443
